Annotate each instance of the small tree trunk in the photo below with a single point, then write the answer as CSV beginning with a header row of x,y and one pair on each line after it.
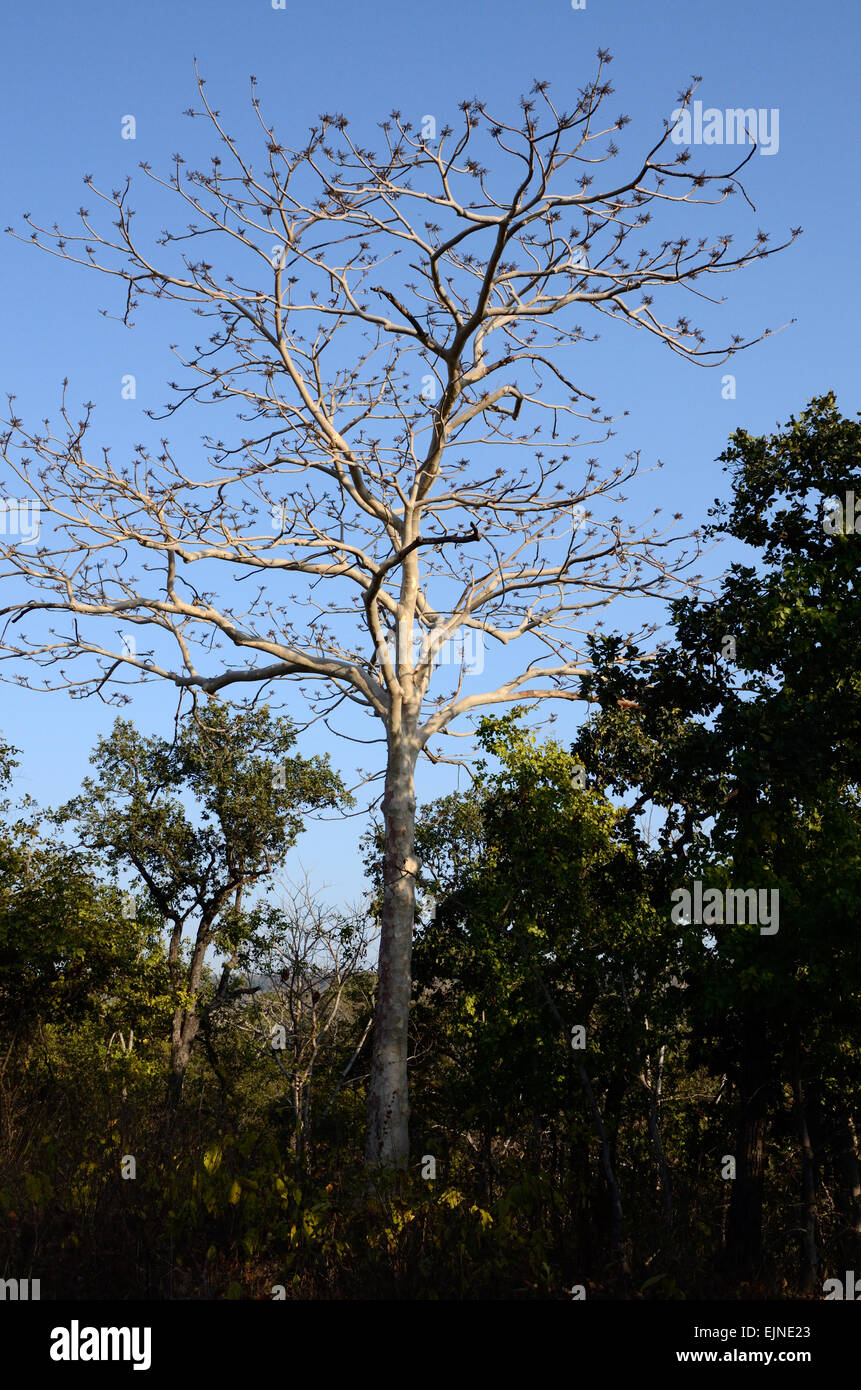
x,y
614,1197
185,1024
809,1247
184,1030
614,1098
297,1106
388,1102
851,1170
744,1226
653,1082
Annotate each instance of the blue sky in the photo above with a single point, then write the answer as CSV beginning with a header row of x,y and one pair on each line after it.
x,y
73,72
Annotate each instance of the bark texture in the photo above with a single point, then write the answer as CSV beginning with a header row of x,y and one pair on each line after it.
x,y
388,1103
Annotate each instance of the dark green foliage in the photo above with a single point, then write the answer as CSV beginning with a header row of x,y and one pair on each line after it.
x,y
543,1157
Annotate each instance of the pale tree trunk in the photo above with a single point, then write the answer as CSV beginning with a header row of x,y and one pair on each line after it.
x,y
388,1101
186,1022
298,1145
652,1079
809,1244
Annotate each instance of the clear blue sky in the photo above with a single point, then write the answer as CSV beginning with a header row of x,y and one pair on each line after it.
x,y
73,71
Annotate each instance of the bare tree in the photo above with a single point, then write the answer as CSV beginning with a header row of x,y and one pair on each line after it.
x,y
396,332
313,989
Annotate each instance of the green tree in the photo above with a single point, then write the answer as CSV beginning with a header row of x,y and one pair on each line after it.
x,y
200,820
746,733
545,959
66,951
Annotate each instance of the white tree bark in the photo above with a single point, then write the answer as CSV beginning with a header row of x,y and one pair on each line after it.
x,y
402,511
388,1105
